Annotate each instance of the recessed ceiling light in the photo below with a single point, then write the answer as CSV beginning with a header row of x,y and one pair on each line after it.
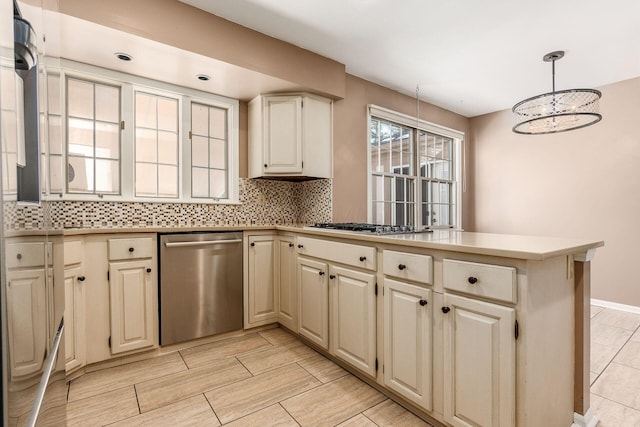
x,y
203,77
123,56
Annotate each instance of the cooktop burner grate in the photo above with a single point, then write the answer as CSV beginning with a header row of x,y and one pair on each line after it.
x,y
370,228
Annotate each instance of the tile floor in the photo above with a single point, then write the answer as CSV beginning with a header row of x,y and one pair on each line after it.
x,y
269,378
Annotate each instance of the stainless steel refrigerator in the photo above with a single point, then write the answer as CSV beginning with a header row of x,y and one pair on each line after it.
x,y
31,299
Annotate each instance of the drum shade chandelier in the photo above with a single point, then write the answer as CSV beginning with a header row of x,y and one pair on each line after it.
x,y
559,111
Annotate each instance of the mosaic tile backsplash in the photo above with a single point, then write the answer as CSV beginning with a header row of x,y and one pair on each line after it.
x,y
262,202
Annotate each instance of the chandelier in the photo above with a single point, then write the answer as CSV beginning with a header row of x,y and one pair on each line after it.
x,y
557,111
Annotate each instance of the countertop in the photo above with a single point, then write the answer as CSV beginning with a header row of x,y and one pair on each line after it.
x,y
503,245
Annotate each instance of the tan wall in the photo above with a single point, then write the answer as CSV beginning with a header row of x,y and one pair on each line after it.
x,y
350,136
583,183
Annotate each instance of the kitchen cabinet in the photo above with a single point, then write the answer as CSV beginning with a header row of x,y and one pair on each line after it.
x,y
27,264
288,293
132,291
290,135
313,301
353,317
75,303
262,285
407,341
479,363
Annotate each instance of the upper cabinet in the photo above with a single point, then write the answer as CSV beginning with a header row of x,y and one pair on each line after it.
x,y
290,136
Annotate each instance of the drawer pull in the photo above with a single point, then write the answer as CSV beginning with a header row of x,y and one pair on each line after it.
x,y
19,256
445,310
300,246
363,258
81,278
402,267
472,280
321,273
332,276
291,245
423,302
148,270
131,249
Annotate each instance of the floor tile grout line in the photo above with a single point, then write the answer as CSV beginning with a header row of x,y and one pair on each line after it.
x,y
183,360
290,414
614,401
135,391
212,410
309,372
613,358
365,415
243,365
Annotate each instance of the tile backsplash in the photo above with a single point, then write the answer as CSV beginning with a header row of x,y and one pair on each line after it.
x,y
262,202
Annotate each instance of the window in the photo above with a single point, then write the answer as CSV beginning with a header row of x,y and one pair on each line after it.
x,y
414,171
114,136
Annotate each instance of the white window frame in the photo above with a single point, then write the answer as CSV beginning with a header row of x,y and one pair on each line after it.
x,y
129,84
422,125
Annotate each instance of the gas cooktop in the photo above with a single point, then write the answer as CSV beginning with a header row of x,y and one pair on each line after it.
x,y
370,228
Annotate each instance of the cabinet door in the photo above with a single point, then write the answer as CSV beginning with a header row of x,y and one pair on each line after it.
x,y
74,318
479,363
288,295
407,341
27,321
353,317
262,280
313,301
131,296
283,134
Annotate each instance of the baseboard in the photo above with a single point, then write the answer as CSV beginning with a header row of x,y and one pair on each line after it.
x,y
587,420
615,306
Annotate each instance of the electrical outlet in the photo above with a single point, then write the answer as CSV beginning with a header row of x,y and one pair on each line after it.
x,y
262,200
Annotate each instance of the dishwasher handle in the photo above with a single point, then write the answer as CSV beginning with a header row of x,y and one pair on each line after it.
x,y
200,243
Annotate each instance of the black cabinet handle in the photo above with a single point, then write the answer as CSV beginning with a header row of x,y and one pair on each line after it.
x,y
81,278
332,276
252,244
19,256
300,246
148,270
291,245
265,165
131,249
423,302
445,310
472,280
363,258
402,267
321,273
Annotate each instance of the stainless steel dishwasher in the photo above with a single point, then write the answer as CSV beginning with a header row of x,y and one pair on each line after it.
x,y
200,285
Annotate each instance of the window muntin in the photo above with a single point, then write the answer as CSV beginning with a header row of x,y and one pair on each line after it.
x,y
209,144
93,137
413,174
156,145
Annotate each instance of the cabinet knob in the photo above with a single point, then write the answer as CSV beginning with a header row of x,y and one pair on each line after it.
x,y
423,302
19,256
363,258
265,165
291,245
131,249
81,278
148,270
472,280
401,267
321,273
332,276
300,246
445,310
252,244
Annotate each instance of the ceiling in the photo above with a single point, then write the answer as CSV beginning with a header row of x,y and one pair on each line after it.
x,y
468,56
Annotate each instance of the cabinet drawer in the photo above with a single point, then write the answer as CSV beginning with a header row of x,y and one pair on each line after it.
x,y
418,268
25,255
485,280
131,248
73,252
343,253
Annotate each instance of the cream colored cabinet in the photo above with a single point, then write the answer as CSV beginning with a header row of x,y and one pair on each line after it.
x,y
479,363
286,271
262,289
313,301
75,304
27,309
407,341
290,135
353,317
132,290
